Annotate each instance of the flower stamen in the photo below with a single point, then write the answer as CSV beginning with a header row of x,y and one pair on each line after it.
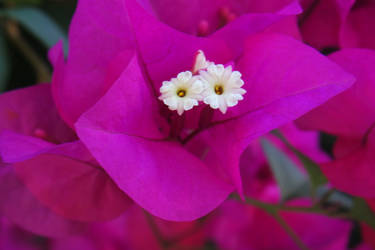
x,y
219,89
181,93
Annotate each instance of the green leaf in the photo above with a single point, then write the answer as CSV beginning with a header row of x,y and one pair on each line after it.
x,y
362,212
4,62
317,178
39,24
292,182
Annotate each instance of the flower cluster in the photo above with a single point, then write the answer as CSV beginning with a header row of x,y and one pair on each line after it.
x,y
216,85
180,124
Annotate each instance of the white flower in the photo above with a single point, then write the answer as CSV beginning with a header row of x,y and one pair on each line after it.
x,y
182,93
222,87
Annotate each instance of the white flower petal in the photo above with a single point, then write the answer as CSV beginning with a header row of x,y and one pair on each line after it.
x,y
184,76
171,102
197,87
222,105
190,103
212,100
180,107
232,100
191,86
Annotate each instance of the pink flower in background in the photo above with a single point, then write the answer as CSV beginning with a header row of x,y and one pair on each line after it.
x,y
350,116
132,230
47,176
322,22
137,231
357,30
333,24
14,238
21,207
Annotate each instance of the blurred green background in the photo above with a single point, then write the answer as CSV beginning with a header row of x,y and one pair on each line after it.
x,y
28,28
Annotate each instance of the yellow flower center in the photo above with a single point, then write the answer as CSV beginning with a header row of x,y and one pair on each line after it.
x,y
181,93
219,90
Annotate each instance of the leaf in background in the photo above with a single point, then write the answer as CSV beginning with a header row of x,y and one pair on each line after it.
x,y
317,178
39,24
333,196
4,63
292,182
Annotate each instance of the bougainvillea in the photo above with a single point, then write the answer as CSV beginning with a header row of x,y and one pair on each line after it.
x,y
170,124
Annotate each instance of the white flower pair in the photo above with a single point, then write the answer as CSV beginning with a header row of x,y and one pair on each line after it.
x,y
215,85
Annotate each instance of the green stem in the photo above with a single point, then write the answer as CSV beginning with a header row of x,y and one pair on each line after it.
x,y
268,206
315,209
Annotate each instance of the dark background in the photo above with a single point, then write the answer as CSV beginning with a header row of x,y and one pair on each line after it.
x,y
21,67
